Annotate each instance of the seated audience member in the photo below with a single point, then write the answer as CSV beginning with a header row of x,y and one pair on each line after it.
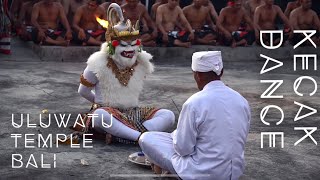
x,y
24,20
198,15
251,6
70,8
88,31
230,25
5,28
155,7
265,19
135,11
14,12
291,6
304,18
46,15
213,12
106,4
185,3
168,15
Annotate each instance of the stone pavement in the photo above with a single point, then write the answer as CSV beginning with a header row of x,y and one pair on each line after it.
x,y
29,85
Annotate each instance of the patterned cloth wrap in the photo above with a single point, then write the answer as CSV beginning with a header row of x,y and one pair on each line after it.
x,y
131,117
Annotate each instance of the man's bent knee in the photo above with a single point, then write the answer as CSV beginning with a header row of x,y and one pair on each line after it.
x,y
144,139
171,117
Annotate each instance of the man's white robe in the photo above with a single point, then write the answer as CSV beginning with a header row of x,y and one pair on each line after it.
x,y
209,141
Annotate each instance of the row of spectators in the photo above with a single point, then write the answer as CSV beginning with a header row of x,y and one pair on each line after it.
x,y
59,22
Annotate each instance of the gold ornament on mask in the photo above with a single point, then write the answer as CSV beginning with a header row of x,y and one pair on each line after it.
x,y
117,27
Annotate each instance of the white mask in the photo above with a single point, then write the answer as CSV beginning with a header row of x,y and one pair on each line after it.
x,y
126,53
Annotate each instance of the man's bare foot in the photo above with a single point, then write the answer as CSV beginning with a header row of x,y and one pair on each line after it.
x,y
149,44
234,44
213,42
317,42
63,43
108,138
186,44
156,169
243,42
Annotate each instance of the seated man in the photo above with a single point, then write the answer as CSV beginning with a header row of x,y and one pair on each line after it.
x,y
116,74
304,18
5,25
45,18
88,31
24,20
291,6
230,25
213,12
251,6
135,11
155,7
70,8
198,16
14,12
168,16
106,5
265,19
209,142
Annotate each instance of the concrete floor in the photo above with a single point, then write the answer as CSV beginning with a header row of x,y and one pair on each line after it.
x,y
28,85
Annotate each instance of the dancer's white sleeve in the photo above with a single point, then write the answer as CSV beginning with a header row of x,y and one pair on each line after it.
x,y
85,91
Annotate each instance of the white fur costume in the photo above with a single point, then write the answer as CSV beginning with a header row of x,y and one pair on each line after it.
x,y
114,94
108,91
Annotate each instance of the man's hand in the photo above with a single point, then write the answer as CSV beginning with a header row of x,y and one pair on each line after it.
x,y
41,35
191,36
69,35
290,33
145,29
228,35
82,34
257,35
165,38
154,34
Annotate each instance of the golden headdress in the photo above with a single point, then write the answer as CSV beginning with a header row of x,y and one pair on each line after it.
x,y
118,27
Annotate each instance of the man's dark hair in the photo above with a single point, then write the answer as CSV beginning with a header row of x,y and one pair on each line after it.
x,y
98,2
211,75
